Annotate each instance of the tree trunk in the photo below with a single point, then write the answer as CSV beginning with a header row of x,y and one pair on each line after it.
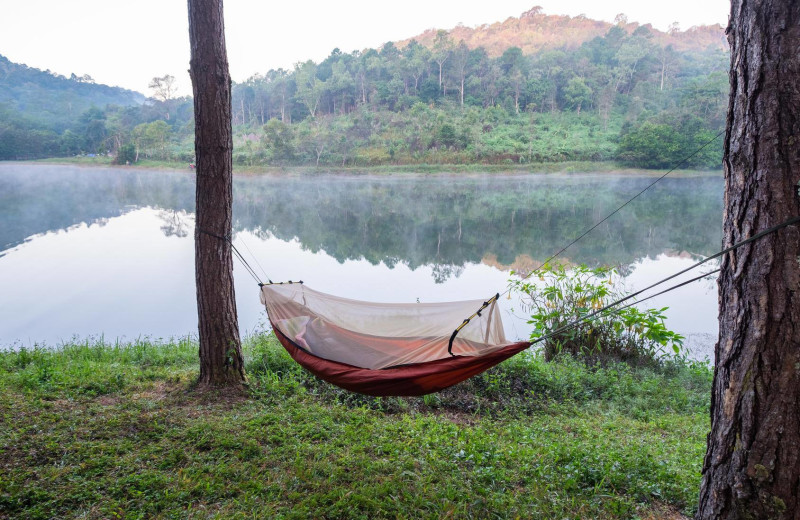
x,y
364,89
752,464
221,361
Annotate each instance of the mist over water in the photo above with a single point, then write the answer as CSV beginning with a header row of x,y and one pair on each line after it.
x,y
110,251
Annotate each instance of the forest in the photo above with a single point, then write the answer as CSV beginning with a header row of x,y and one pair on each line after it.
x,y
630,94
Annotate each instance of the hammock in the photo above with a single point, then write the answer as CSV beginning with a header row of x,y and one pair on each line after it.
x,y
385,349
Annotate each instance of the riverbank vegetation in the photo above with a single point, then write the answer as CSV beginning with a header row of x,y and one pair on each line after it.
x,y
612,168
566,306
94,430
589,91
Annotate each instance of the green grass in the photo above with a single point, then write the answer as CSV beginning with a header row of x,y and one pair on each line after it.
x,y
609,167
114,431
108,162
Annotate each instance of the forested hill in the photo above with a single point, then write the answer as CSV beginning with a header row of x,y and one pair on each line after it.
x,y
530,89
53,100
537,88
534,31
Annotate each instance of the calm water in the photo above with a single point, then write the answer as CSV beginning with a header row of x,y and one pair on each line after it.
x,y
90,252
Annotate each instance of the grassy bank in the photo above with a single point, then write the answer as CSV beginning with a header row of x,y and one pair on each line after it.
x,y
114,431
609,167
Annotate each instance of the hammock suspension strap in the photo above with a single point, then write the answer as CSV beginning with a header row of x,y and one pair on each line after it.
x,y
464,323
260,284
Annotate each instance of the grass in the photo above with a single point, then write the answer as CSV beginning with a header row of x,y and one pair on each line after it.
x,y
114,431
608,167
108,162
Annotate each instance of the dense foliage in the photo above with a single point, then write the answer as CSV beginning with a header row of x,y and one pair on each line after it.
x,y
633,94
43,114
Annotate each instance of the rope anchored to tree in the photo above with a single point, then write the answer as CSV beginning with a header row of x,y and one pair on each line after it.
x,y
241,258
595,226
596,313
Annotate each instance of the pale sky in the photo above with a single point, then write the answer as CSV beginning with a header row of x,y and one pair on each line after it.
x,y
127,43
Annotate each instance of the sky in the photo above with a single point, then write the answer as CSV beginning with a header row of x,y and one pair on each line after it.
x,y
127,43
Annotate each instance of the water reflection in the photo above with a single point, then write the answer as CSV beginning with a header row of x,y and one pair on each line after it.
x,y
505,221
393,239
176,223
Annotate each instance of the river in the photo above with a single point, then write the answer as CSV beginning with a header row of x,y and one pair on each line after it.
x,y
108,252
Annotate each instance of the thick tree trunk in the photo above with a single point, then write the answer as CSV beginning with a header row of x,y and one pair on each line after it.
x,y
220,349
752,465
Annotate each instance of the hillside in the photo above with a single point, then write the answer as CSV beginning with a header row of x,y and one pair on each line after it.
x,y
537,88
535,31
43,114
534,89
53,100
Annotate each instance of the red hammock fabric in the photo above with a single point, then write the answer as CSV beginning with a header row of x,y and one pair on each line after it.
x,y
404,380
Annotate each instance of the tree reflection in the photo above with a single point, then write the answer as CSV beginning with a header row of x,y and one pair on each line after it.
x,y
443,272
445,222
175,223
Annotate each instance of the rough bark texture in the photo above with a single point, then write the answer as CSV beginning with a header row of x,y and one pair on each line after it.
x,y
752,464
221,361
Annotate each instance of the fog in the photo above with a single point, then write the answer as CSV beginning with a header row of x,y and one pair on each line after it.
x,y
91,251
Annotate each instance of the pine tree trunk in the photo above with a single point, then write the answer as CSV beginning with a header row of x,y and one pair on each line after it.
x,y
221,361
752,464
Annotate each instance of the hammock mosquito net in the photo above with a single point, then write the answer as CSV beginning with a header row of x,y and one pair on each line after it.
x,y
385,348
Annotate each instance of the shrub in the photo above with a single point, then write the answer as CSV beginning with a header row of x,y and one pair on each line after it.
x,y
670,144
563,296
126,154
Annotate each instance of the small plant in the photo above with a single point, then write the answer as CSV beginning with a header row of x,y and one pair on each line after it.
x,y
560,296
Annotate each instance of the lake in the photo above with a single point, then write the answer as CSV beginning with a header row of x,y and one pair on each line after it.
x,y
109,251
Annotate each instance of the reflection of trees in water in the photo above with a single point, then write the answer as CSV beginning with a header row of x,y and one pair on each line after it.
x,y
443,272
444,221
176,223
37,199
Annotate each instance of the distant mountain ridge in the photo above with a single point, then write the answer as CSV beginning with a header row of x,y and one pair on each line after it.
x,y
534,31
54,100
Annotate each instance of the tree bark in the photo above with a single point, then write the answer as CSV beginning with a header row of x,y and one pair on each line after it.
x,y
221,361
752,464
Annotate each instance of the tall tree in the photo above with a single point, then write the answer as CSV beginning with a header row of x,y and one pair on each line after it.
x,y
221,362
461,55
416,62
163,88
515,71
752,464
442,46
309,87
